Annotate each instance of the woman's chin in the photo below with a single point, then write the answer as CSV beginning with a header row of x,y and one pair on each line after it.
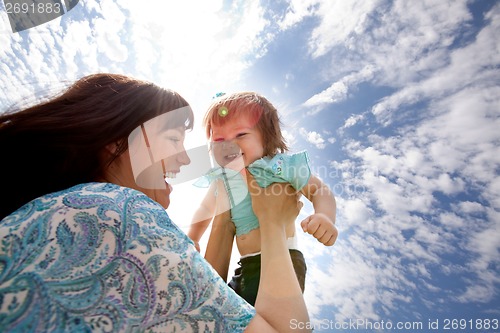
x,y
164,195
160,195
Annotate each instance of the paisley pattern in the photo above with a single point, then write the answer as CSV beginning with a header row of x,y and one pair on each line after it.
x,y
102,258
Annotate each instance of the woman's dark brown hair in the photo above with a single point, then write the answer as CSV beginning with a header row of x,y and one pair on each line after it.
x,y
58,144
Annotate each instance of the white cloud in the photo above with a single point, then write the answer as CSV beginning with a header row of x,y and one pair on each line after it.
x,y
466,67
108,31
353,120
355,212
296,12
470,207
402,44
477,293
339,90
335,93
339,21
313,138
353,280
289,138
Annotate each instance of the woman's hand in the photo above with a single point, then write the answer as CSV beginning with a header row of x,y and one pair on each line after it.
x,y
276,204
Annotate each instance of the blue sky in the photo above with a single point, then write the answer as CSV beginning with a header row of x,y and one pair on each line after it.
x,y
397,103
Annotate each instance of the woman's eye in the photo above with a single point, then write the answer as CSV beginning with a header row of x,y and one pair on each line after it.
x,y
174,139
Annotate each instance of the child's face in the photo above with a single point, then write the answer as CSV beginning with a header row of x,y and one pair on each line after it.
x,y
242,131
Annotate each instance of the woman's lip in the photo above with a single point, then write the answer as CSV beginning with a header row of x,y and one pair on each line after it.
x,y
169,186
171,174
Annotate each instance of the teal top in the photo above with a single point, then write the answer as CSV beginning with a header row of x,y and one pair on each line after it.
x,y
282,168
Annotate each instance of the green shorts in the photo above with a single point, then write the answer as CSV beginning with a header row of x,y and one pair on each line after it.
x,y
246,277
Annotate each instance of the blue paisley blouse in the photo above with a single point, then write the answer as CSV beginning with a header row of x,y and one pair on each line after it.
x,y
103,258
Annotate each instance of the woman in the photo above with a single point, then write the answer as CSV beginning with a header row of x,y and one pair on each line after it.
x,y
86,244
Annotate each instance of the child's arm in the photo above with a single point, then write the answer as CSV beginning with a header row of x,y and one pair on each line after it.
x,y
322,223
203,216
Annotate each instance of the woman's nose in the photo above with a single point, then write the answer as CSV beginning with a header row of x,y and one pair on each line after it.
x,y
183,157
230,146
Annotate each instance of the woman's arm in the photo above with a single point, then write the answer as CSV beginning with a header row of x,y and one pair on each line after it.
x,y
279,300
220,244
203,216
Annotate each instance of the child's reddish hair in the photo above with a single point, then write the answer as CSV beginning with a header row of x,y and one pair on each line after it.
x,y
260,112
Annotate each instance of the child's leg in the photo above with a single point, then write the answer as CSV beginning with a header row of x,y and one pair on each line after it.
x,y
246,278
300,267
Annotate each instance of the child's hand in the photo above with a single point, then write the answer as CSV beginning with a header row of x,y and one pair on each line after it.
x,y
321,227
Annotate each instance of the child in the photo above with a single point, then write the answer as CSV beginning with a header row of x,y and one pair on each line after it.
x,y
244,130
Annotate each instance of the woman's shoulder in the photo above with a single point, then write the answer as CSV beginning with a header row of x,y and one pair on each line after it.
x,y
95,194
87,198
97,190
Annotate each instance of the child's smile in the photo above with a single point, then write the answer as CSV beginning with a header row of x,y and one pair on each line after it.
x,y
226,152
237,138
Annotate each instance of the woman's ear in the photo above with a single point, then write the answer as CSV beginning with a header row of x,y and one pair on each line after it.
x,y
113,147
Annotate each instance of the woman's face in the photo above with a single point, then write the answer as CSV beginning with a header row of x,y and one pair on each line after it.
x,y
155,152
169,146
